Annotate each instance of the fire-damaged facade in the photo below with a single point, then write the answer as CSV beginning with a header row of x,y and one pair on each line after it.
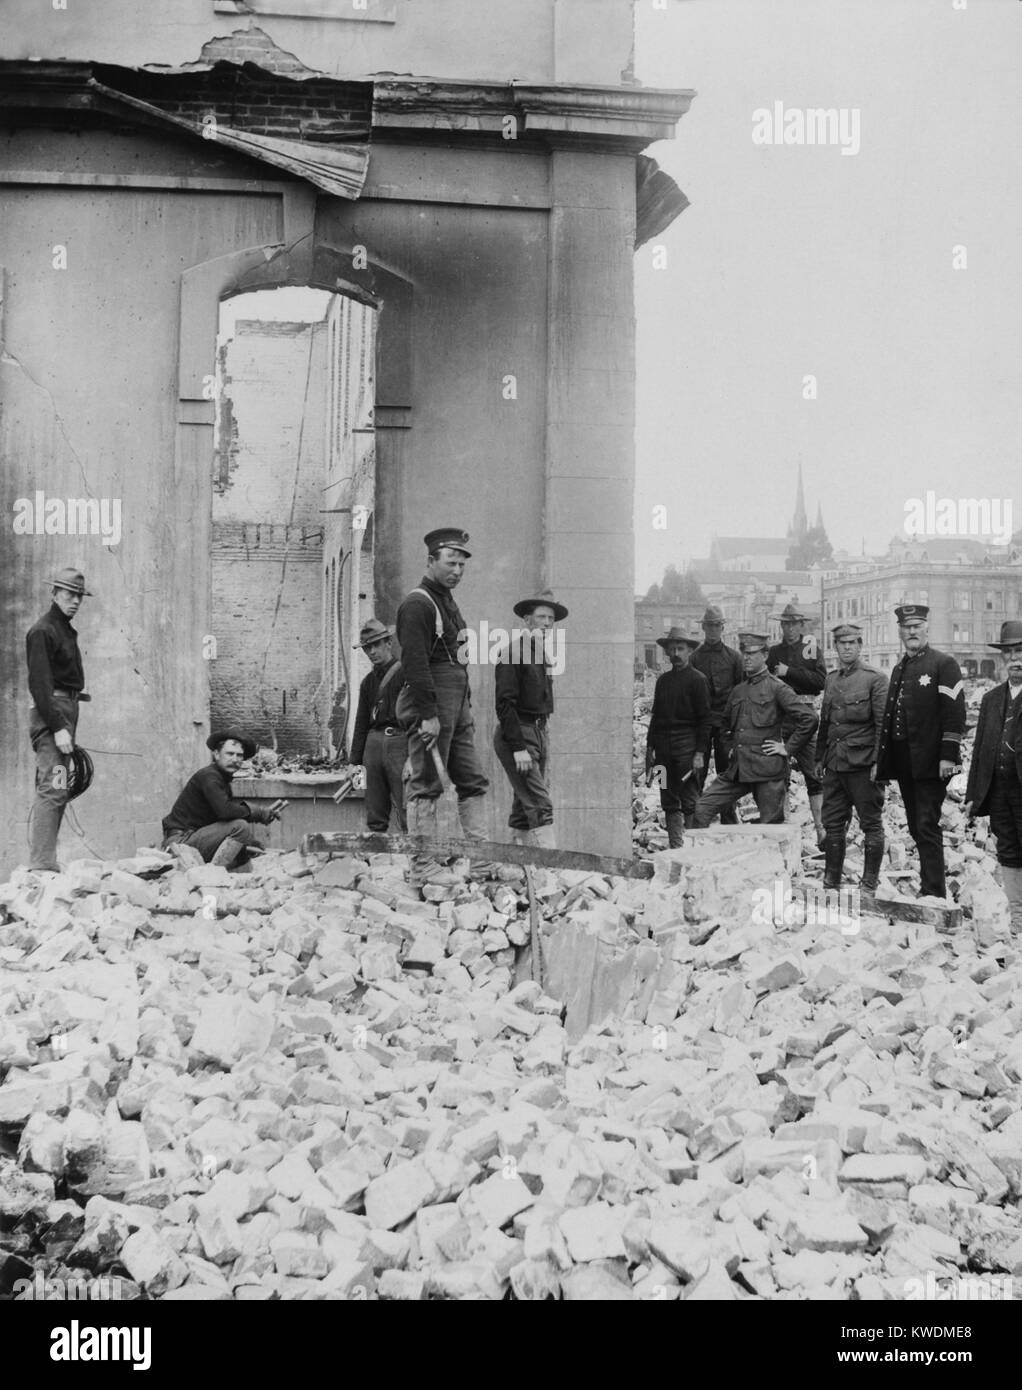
x,y
468,237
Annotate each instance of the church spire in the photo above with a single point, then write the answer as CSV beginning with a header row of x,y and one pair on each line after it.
x,y
819,517
799,522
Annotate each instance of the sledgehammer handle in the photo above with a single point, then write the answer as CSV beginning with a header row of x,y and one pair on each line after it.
x,y
441,771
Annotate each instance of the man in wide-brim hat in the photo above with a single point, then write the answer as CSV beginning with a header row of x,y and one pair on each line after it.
x,y
995,774
678,739
379,743
56,682
524,696
206,815
722,667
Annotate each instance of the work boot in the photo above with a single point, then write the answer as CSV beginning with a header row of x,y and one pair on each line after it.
x,y
227,852
833,860
816,806
472,813
424,868
675,829
1012,881
543,837
873,857
43,831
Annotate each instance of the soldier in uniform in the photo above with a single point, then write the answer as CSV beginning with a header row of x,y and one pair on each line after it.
x,y
722,667
921,740
798,661
56,683
995,774
434,705
848,744
679,733
378,742
755,713
524,692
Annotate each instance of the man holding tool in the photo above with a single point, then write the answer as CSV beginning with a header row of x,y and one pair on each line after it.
x,y
434,705
207,817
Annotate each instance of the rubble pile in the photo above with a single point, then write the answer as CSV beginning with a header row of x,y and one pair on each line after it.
x,y
303,1083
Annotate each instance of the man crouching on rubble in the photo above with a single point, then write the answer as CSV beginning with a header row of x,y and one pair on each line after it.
x,y
208,818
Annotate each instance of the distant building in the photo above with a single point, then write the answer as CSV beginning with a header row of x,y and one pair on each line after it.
x,y
970,590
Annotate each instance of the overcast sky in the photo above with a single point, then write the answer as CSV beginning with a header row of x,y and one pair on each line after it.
x,y
797,260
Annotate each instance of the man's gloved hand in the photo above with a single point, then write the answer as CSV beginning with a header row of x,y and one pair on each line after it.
x,y
65,743
429,731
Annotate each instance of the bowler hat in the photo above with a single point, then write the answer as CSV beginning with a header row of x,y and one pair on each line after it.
x,y
450,536
525,606
1011,634
713,614
678,634
792,613
217,739
70,579
912,610
373,631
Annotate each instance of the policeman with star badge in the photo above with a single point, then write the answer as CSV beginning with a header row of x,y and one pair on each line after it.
x,y
921,739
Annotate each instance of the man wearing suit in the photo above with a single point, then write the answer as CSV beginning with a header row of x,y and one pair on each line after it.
x,y
722,667
921,739
679,733
995,776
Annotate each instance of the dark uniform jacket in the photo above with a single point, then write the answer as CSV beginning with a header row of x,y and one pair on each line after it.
x,y
207,798
722,667
681,708
54,661
934,710
374,711
807,670
756,711
524,689
998,741
420,646
851,718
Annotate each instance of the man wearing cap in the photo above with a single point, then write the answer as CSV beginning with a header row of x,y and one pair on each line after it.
x,y
848,745
798,661
379,743
920,744
722,667
208,817
994,788
755,713
679,733
525,701
434,705
56,683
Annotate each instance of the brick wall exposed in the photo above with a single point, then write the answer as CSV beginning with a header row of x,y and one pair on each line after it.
x,y
267,538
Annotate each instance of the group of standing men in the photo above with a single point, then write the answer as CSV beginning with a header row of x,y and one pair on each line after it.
x,y
754,708
414,715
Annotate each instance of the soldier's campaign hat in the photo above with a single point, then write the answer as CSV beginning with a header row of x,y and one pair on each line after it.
x,y
678,634
220,736
1011,634
753,639
451,536
713,614
846,630
525,606
373,631
791,612
912,610
70,579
